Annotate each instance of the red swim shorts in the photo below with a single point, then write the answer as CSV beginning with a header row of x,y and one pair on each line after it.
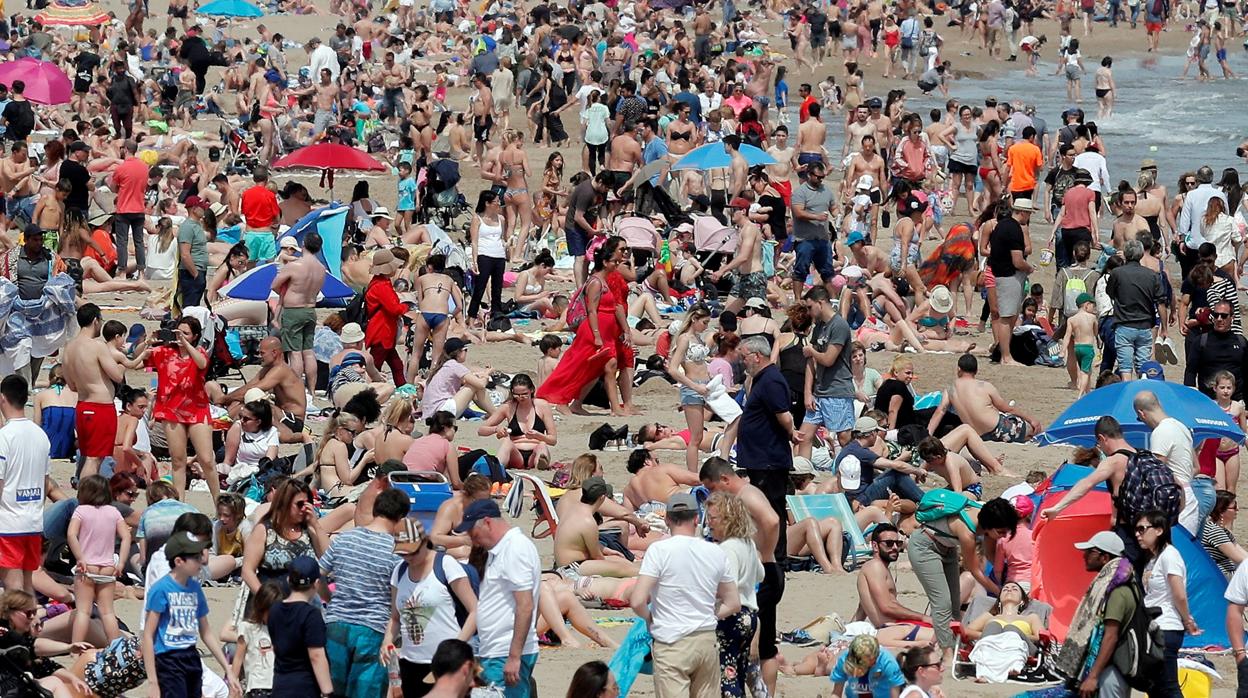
x,y
96,424
21,552
1153,27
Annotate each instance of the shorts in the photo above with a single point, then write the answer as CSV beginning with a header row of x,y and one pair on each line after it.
x,y
1010,295
1010,429
927,86
492,672
293,423
179,12
578,241
354,659
618,178
96,424
807,159
21,552
1154,27
894,257
813,252
481,128
298,328
818,40
503,104
1072,72
690,397
1221,55
1084,354
961,168
261,245
835,413
752,285
180,673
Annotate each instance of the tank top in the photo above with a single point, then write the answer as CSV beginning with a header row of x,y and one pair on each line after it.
x,y
490,240
966,140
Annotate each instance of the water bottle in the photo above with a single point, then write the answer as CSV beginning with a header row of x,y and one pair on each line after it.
x,y
392,669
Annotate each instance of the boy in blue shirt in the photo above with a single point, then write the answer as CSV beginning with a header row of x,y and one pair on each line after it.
x,y
407,197
177,617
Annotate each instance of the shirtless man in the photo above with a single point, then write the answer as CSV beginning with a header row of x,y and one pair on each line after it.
x,y
91,371
577,550
980,405
781,173
702,28
324,96
297,284
277,378
738,170
17,184
434,289
877,594
857,129
1128,224
865,162
747,263
883,125
393,78
953,467
482,115
811,135
451,512
624,157
652,482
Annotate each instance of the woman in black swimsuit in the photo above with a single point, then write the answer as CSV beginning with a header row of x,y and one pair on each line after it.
x,y
792,361
525,425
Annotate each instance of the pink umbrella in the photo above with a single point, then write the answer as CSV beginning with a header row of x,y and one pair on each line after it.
x,y
45,82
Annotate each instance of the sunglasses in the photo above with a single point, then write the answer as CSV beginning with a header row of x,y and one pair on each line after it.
x,y
132,493
889,543
29,613
1219,315
1141,529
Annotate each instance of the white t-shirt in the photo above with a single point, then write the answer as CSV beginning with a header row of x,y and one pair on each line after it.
x,y
259,659
513,566
426,610
689,571
1157,586
24,465
747,567
1237,589
1173,441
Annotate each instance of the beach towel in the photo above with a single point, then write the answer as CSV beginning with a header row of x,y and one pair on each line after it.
x,y
721,403
633,657
996,656
38,327
1085,629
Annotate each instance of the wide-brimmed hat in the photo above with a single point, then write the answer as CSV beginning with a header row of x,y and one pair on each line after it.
x,y
384,263
351,333
941,299
1024,205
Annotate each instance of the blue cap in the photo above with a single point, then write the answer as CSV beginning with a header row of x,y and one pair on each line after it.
x,y
304,571
137,330
1152,370
474,512
855,237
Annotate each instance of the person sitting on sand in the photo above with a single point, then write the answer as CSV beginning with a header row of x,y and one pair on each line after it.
x,y
979,404
653,482
577,548
615,518
952,466
451,512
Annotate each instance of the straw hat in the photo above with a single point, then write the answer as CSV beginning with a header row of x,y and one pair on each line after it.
x,y
384,263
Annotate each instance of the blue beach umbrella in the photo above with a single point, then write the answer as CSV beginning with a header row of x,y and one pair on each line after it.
x,y
713,157
257,285
327,221
1193,408
230,8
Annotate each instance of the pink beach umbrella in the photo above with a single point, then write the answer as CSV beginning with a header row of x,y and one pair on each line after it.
x,y
45,82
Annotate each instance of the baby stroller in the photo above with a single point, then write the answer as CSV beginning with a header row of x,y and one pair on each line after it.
x,y
440,200
240,155
715,244
642,237
16,681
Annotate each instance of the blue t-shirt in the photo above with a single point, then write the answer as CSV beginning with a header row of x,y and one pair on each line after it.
x,y
763,444
407,195
656,149
180,608
878,681
865,456
782,93
361,562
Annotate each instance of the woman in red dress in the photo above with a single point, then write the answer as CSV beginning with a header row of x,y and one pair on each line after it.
x,y
599,338
182,402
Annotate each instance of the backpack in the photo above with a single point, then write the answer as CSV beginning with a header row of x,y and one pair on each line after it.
x,y
1141,646
577,309
354,312
942,504
461,611
1148,485
1074,288
752,134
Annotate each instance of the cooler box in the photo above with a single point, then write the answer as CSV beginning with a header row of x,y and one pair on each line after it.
x,y
426,491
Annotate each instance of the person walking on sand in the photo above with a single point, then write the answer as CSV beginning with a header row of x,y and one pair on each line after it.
x,y
298,284
92,371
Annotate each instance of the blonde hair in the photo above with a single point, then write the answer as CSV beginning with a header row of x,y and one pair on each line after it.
x,y
736,518
582,469
342,419
900,362
396,411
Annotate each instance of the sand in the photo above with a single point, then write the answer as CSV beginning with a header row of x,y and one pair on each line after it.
x,y
1041,391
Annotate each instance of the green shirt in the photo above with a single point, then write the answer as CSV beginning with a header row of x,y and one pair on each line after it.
x,y
192,233
1120,605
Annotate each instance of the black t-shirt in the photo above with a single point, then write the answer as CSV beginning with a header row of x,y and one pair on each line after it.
x,y
121,92
1059,180
293,628
775,219
195,51
1006,237
84,66
78,176
19,120
884,395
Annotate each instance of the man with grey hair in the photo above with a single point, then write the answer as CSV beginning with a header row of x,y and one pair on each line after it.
x,y
130,183
1194,204
1139,299
1171,441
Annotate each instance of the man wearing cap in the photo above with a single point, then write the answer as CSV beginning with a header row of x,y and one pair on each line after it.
x,y
130,183
507,605
578,552
192,254
74,169
866,477
384,311
1007,259
1109,605
750,282
297,285
261,215
685,589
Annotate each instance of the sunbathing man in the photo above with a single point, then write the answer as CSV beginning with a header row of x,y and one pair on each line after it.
x,y
980,405
653,483
577,549
614,518
276,377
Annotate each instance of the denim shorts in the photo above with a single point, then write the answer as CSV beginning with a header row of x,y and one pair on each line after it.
x,y
689,396
816,252
1132,346
835,413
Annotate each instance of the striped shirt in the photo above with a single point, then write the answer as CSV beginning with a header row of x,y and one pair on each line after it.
x,y
361,562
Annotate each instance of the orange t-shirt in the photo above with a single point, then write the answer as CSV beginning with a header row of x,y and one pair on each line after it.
x,y
1024,160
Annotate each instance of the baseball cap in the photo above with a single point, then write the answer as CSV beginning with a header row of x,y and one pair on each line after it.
x,y
195,202
410,537
855,237
288,241
476,511
739,202
453,345
1152,370
1105,541
1083,298
849,470
756,304
596,487
303,571
77,146
183,544
802,466
866,425
682,502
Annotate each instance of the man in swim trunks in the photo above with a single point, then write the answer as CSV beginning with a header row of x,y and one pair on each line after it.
x,y
979,404
297,285
877,591
275,377
482,115
747,264
811,135
91,370
953,467
577,548
261,214
624,156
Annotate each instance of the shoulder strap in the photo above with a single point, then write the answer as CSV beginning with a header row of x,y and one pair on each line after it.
x,y
438,572
1124,452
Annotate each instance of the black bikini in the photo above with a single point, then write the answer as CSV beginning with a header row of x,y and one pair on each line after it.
x,y
513,428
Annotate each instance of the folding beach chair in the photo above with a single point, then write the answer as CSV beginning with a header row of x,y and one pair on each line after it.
x,y
543,504
1037,668
821,506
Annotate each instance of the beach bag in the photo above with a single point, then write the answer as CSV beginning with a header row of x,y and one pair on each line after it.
x,y
577,310
1148,484
483,463
1141,646
116,669
1074,288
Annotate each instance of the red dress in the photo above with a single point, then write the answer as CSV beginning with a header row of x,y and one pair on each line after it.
x,y
180,393
583,363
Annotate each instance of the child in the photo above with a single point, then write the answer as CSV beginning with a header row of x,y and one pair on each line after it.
x,y
255,648
1081,340
953,467
177,617
1227,475
94,529
298,632
551,346
406,205
1036,291
49,214
231,527
1031,46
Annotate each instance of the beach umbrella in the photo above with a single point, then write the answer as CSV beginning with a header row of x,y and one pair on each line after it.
x,y
328,222
257,285
712,156
87,14
45,82
230,8
1193,408
328,157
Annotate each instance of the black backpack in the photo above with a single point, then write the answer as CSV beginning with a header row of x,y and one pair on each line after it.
x,y
1148,484
355,311
461,611
1141,645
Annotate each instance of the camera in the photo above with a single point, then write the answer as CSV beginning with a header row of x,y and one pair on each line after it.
x,y
166,336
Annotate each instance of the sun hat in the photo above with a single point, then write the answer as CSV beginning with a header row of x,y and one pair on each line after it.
x,y
384,263
941,299
802,466
351,333
1024,205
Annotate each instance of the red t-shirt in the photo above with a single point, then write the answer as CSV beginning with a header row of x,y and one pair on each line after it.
x,y
180,393
803,112
1075,201
260,208
130,178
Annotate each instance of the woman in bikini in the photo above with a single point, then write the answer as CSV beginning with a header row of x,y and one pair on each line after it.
x,y
525,427
391,439
518,203
682,134
689,370
990,164
235,311
438,298
549,208
530,292
339,463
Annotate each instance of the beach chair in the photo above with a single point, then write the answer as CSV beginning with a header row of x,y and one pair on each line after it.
x,y
821,506
426,490
1037,669
543,504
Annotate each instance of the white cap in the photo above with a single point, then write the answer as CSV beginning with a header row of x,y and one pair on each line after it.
x,y
288,241
865,183
1105,541
852,271
849,469
255,395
